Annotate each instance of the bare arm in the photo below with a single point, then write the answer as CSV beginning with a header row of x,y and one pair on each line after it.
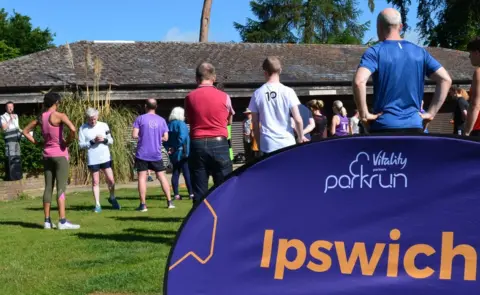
x,y
298,123
165,136
360,91
474,108
135,133
443,81
310,126
26,131
231,111
65,120
335,122
256,128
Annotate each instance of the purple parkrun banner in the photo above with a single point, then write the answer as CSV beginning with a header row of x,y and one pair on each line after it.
x,y
371,215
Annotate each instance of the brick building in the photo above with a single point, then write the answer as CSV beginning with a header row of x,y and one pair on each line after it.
x,y
166,71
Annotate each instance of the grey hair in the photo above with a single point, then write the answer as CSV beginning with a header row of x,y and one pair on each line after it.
x,y
390,19
91,112
178,113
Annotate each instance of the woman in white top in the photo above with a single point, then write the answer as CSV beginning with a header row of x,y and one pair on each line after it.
x,y
96,137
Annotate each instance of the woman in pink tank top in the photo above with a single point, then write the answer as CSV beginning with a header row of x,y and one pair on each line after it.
x,y
55,154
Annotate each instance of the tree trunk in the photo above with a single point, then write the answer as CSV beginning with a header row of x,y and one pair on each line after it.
x,y
205,21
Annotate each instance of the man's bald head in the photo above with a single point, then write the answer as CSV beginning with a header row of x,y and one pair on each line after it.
x,y
151,104
389,21
205,72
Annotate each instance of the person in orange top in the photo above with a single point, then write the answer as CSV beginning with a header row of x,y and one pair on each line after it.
x,y
255,150
472,126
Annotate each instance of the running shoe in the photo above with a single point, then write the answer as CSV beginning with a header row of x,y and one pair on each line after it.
x,y
67,225
113,201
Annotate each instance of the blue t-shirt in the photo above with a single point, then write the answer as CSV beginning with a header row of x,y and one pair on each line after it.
x,y
398,70
306,115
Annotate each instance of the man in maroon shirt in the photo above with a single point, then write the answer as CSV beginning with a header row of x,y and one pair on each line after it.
x,y
208,112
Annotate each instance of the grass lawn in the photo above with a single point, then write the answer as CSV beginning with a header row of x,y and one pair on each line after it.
x,y
114,252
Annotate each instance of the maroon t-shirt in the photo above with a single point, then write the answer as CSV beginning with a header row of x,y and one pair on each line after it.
x,y
207,110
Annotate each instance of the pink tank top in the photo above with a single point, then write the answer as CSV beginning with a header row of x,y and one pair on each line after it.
x,y
52,135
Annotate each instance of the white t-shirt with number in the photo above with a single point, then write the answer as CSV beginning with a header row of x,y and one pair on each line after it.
x,y
273,102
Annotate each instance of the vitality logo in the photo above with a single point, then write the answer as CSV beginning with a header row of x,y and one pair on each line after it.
x,y
383,170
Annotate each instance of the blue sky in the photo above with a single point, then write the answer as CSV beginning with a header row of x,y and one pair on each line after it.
x,y
150,20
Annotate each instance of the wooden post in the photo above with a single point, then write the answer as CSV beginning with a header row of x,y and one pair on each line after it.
x,y
205,21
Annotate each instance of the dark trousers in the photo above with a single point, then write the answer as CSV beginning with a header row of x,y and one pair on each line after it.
x,y
208,156
247,146
181,167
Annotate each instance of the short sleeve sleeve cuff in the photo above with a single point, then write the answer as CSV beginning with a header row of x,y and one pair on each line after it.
x,y
431,64
369,60
294,101
136,123
252,105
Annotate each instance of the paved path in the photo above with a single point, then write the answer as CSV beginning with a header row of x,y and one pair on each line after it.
x,y
130,185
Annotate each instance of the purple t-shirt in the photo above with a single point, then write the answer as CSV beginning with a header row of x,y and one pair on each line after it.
x,y
151,129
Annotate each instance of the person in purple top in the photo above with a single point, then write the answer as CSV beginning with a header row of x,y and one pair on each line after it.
x,y
340,122
150,129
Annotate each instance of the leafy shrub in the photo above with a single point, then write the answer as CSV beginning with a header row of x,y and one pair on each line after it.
x,y
119,119
32,158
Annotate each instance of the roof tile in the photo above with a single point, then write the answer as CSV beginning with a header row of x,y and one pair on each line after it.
x,y
155,63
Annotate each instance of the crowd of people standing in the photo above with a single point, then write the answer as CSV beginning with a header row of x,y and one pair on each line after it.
x,y
275,119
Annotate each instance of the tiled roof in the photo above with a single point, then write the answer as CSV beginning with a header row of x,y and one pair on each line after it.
x,y
160,63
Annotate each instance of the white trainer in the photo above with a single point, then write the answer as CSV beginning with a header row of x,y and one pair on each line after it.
x,y
49,225
68,225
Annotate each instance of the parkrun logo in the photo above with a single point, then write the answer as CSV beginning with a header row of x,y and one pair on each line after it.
x,y
368,171
326,256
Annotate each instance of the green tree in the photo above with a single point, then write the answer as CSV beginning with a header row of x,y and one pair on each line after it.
x,y
304,21
444,23
18,36
7,52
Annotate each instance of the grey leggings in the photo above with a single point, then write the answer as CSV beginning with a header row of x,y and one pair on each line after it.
x,y
55,169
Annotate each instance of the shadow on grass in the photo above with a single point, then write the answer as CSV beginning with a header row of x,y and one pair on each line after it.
x,y
73,208
39,209
127,238
149,219
146,231
22,224
135,198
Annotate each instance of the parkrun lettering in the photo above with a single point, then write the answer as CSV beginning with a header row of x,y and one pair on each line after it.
x,y
378,165
322,252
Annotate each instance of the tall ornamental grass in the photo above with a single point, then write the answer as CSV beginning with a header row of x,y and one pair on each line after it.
x,y
119,119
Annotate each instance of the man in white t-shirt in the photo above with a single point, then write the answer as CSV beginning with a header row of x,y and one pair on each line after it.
x,y
12,135
95,136
272,105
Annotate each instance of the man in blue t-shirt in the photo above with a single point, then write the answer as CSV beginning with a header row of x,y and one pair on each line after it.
x,y
308,121
398,69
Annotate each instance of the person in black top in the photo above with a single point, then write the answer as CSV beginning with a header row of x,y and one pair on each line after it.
x,y
460,113
320,130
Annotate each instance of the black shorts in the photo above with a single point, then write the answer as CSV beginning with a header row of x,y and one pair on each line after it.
x,y
98,167
156,166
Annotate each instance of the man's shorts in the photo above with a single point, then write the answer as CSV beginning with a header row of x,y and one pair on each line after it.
x,y
156,166
98,167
